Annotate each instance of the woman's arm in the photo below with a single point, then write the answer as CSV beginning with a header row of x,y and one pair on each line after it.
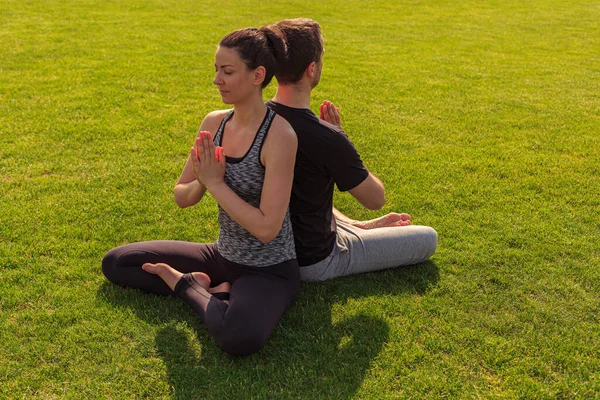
x,y
278,157
188,193
189,190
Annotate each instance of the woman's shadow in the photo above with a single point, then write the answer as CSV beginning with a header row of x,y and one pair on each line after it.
x,y
321,348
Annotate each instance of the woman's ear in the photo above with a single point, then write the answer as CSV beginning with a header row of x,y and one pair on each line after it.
x,y
259,75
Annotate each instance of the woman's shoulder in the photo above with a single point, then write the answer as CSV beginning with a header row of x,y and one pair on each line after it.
x,y
282,129
213,119
216,115
282,139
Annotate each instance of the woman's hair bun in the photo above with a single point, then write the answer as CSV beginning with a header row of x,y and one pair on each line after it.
x,y
276,41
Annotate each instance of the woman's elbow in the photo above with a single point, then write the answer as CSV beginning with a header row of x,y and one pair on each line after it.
x,y
180,200
268,233
266,237
184,198
181,205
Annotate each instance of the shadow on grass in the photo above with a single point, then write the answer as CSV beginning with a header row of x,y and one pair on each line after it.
x,y
315,352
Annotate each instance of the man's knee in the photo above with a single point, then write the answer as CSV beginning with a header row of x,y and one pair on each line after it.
x,y
429,241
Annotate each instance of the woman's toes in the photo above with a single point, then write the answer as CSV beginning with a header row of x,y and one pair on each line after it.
x,y
152,268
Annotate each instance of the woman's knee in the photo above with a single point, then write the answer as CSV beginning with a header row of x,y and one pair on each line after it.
x,y
109,265
128,254
243,341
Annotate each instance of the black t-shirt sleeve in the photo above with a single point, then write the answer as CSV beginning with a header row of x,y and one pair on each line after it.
x,y
344,163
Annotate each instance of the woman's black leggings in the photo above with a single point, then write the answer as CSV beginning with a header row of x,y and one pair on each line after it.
x,y
259,296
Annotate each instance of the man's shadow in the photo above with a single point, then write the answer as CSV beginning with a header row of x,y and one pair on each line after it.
x,y
317,351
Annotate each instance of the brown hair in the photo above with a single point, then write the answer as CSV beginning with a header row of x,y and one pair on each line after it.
x,y
256,47
304,44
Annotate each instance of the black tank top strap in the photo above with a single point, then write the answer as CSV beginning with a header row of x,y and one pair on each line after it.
x,y
264,130
218,138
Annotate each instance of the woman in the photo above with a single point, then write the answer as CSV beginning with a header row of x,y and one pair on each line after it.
x,y
245,159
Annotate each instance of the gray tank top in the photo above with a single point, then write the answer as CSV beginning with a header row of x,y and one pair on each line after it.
x,y
245,176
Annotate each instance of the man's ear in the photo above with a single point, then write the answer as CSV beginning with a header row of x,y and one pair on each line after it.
x,y
310,70
259,75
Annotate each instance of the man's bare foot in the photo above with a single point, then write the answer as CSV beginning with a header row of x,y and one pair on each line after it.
x,y
171,276
385,221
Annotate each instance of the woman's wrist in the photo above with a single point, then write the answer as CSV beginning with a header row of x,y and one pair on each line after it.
x,y
215,187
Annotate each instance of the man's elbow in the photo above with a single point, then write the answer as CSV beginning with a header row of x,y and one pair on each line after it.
x,y
370,194
376,200
375,204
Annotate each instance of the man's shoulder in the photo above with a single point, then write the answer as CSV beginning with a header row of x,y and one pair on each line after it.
x,y
335,128
306,123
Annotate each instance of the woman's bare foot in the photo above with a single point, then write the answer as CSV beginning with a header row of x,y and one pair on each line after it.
x,y
202,279
224,287
386,221
171,276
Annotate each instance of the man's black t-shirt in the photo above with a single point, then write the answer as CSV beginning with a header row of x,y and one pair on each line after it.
x,y
325,156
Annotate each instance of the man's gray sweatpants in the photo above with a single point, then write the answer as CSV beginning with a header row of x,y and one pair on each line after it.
x,y
359,250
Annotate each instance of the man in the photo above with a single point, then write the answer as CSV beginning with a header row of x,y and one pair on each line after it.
x,y
329,244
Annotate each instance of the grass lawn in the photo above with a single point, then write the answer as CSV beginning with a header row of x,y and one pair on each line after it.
x,y
482,118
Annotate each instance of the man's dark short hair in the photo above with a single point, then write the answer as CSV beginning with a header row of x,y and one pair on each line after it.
x,y
304,44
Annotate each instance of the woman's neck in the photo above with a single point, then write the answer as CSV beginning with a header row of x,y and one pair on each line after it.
x,y
250,111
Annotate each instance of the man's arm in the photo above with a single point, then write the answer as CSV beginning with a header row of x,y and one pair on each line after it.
x,y
330,113
370,193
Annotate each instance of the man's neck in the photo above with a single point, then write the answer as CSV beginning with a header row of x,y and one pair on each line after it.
x,y
295,96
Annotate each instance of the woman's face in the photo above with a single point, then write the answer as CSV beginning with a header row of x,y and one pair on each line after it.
x,y
234,80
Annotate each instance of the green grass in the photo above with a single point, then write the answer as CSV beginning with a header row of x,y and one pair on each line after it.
x,y
481,118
